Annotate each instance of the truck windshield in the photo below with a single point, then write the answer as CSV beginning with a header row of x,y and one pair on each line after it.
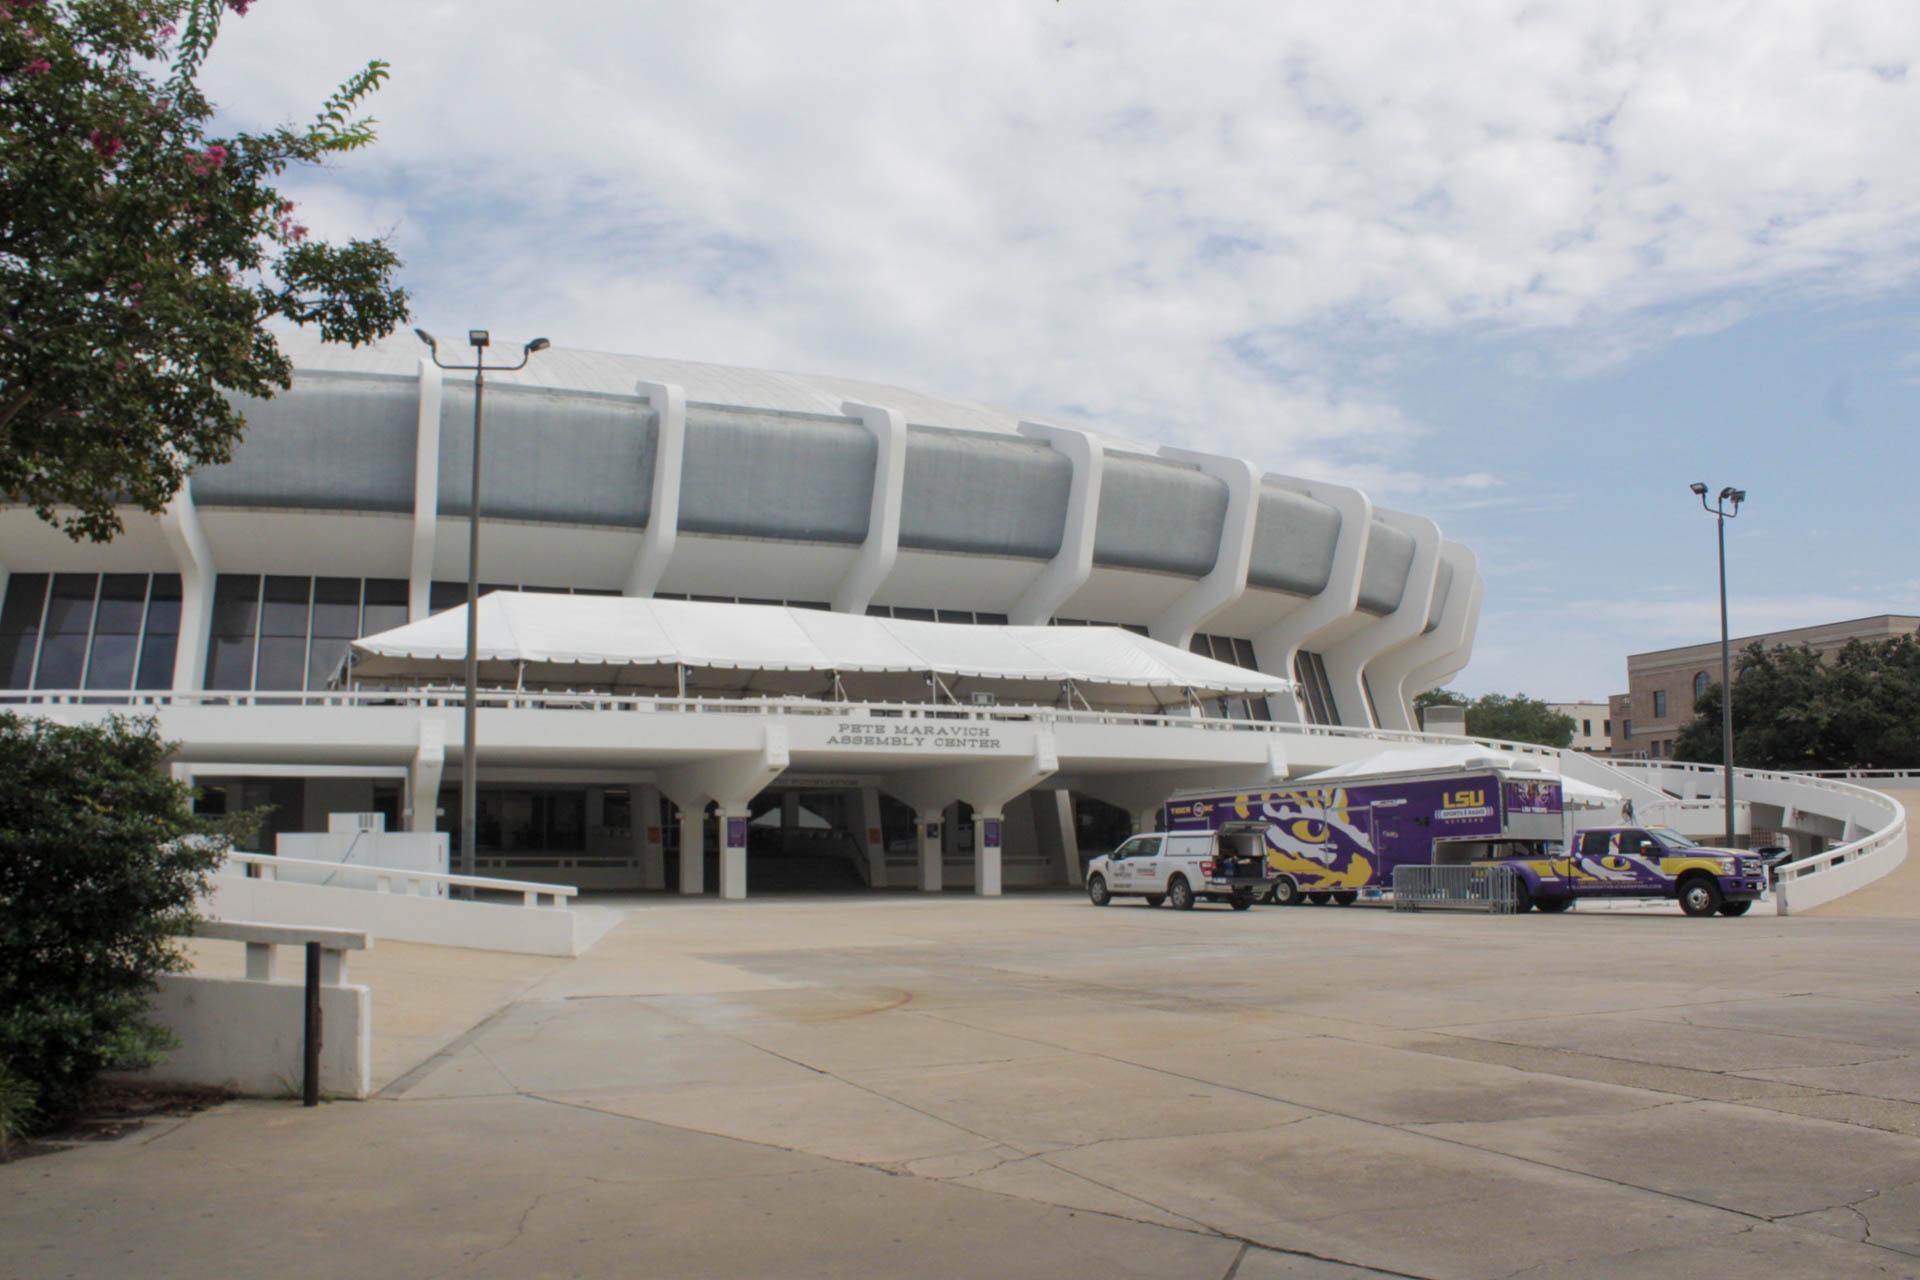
x,y
1672,839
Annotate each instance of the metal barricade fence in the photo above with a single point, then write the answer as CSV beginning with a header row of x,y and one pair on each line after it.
x,y
1492,888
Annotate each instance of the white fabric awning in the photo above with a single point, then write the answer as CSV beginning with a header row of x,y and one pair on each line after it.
x,y
538,640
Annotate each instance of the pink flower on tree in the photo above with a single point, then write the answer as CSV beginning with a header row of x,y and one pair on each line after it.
x,y
205,162
105,144
38,67
240,6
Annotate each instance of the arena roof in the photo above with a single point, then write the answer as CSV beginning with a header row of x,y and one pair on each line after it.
x,y
605,373
536,640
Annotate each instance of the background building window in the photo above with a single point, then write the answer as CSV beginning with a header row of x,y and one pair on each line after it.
x,y
1659,704
1700,683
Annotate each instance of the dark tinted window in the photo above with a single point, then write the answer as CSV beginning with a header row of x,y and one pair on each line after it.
x,y
20,628
385,607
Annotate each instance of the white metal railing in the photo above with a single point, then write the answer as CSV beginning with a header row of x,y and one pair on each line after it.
x,y
764,705
415,882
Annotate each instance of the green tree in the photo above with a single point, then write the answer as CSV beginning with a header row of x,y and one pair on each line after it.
x,y
1518,719
1792,710
142,258
1438,698
101,860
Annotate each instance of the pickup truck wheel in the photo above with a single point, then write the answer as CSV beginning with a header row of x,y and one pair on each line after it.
x,y
1180,894
1319,897
1347,897
1240,901
1699,895
1553,905
1734,908
1097,890
1522,896
1155,899
1285,892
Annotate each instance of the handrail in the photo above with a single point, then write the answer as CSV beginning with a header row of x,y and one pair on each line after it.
x,y
384,877
765,704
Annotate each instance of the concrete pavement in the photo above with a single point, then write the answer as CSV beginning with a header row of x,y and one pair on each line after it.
x,y
951,1087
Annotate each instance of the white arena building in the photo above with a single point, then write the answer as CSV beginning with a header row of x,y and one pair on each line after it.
x,y
343,515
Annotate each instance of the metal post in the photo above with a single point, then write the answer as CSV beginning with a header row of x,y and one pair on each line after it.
x,y
1726,680
470,747
310,1073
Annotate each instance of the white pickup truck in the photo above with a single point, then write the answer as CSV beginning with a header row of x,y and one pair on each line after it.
x,y
1182,868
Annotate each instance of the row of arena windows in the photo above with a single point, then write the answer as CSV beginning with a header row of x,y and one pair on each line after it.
x,y
284,632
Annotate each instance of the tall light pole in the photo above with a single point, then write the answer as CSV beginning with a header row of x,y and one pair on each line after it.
x,y
479,339
1726,507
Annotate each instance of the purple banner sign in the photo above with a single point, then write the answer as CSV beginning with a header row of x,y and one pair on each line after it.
x,y
736,833
991,834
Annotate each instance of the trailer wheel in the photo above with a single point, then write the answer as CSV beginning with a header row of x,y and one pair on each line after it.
x,y
1319,897
1155,899
1180,894
1241,900
1734,908
1097,890
1347,897
1699,895
1285,892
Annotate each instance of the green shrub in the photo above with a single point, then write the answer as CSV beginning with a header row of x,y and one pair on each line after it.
x,y
17,1109
97,876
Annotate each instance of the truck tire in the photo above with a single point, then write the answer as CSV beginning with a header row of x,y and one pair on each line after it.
x,y
1155,899
1180,894
1241,900
1286,892
1319,897
1097,890
1347,897
1734,908
1553,905
1522,896
1699,895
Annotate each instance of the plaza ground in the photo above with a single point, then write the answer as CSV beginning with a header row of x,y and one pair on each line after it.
x,y
894,1085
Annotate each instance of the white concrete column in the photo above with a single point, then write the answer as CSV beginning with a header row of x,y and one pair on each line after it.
x,y
426,493
648,834
882,546
669,405
1391,674
1072,564
872,836
989,832
180,523
1348,660
1276,648
733,850
1226,582
423,778
693,849
1436,673
731,781
1053,813
927,826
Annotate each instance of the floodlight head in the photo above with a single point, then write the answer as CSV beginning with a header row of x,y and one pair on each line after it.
x,y
1698,488
479,338
1726,493
427,338
1739,496
537,345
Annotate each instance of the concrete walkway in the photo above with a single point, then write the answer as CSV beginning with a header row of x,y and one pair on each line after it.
x,y
1036,1087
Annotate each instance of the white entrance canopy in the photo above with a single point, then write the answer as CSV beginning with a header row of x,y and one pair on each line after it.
x,y
1574,794
537,641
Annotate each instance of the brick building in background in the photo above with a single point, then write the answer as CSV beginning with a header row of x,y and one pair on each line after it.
x,y
1663,685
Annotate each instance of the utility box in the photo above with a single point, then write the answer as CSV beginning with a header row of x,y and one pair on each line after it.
x,y
361,844
1451,720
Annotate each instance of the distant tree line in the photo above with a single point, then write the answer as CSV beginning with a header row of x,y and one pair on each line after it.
x,y
1794,710
1515,718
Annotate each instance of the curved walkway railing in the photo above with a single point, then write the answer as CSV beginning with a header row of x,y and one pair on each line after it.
x,y
1873,826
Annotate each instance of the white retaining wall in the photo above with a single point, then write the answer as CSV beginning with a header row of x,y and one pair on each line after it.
x,y
250,1036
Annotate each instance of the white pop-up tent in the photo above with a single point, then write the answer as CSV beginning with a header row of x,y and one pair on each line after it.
x,y
1574,794
531,640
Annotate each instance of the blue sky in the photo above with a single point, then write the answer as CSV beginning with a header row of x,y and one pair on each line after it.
x,y
1527,269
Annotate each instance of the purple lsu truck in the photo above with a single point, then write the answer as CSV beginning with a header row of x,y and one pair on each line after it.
x,y
1332,841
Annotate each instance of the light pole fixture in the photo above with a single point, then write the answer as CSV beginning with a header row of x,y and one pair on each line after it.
x,y
479,340
1726,506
